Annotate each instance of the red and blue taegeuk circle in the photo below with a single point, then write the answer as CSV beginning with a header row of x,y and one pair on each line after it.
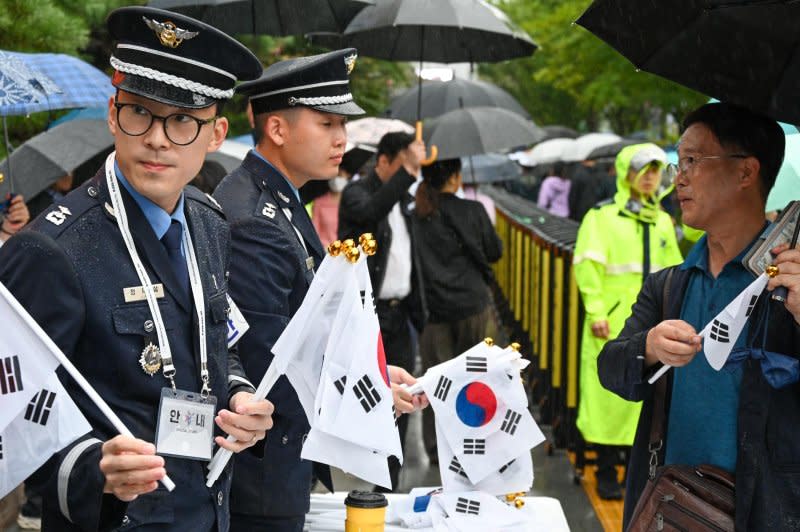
x,y
476,404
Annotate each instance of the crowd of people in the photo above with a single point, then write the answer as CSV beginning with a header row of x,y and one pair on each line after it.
x,y
247,240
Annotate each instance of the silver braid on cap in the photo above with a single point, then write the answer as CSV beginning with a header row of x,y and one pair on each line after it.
x,y
322,100
169,79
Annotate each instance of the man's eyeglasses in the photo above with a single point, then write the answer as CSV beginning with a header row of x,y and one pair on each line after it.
x,y
180,128
686,164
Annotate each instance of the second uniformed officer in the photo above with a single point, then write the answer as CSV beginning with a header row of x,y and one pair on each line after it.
x,y
128,275
300,107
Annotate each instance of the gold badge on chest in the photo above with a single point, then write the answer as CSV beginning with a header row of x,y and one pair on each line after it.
x,y
150,359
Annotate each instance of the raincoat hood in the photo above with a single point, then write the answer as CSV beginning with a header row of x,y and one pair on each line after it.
x,y
637,157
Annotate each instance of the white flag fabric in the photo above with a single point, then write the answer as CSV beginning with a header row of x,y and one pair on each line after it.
x,y
299,350
476,511
25,360
513,477
482,409
721,333
353,425
48,423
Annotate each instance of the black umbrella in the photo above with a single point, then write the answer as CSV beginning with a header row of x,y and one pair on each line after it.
x,y
488,168
740,51
42,160
476,130
444,31
438,97
610,151
559,132
270,17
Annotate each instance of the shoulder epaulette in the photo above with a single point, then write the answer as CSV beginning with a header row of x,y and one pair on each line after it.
x,y
65,211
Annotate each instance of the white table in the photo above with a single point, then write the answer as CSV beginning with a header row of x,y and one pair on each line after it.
x,y
327,514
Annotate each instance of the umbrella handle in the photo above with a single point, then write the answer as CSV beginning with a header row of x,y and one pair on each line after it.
x,y
434,149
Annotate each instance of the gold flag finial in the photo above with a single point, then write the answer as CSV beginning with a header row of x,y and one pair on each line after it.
x,y
515,346
519,503
772,270
335,248
370,247
352,254
488,341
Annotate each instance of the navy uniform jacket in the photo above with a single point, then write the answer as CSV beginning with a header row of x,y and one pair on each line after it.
x,y
69,271
271,270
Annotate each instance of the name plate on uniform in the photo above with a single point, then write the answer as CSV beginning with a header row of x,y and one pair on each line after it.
x,y
136,293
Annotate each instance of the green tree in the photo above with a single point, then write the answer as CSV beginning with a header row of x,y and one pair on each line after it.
x,y
577,80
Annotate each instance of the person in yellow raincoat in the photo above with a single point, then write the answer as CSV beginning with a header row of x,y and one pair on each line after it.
x,y
620,242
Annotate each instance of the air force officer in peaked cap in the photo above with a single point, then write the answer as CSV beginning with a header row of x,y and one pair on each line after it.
x,y
128,274
300,107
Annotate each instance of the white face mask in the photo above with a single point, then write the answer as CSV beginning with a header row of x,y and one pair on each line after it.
x,y
337,184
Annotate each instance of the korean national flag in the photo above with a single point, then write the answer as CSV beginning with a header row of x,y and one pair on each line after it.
x,y
49,422
514,476
481,410
476,511
299,350
720,335
26,362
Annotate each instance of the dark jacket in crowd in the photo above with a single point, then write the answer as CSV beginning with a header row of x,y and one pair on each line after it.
x,y
768,433
456,245
589,186
364,208
70,269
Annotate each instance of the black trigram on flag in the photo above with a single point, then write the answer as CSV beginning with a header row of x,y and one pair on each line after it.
x,y
510,422
10,375
477,364
455,467
38,410
340,384
442,388
468,506
505,467
474,446
719,332
366,393
751,305
1,447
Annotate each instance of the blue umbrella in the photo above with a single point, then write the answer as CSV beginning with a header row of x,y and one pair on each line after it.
x,y
30,83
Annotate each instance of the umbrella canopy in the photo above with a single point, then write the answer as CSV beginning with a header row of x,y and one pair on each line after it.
x,y
476,130
787,184
439,97
444,31
559,132
30,83
740,51
370,130
50,155
586,144
546,152
610,151
488,168
270,17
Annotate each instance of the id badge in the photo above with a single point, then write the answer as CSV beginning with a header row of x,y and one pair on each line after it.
x,y
185,424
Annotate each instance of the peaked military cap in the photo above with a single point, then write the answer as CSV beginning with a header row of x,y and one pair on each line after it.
x,y
175,59
320,82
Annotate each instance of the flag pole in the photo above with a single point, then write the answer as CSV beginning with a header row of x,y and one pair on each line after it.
x,y
73,371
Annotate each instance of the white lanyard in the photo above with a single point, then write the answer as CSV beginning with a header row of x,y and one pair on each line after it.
x,y
194,280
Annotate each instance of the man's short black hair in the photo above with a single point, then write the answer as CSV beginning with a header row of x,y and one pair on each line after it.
x,y
393,143
742,130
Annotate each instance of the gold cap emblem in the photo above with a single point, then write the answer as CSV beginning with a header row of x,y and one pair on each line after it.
x,y
350,62
168,33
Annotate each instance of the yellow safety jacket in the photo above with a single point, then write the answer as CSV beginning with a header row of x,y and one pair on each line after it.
x,y
609,263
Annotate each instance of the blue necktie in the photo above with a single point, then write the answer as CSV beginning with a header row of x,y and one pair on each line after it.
x,y
172,243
